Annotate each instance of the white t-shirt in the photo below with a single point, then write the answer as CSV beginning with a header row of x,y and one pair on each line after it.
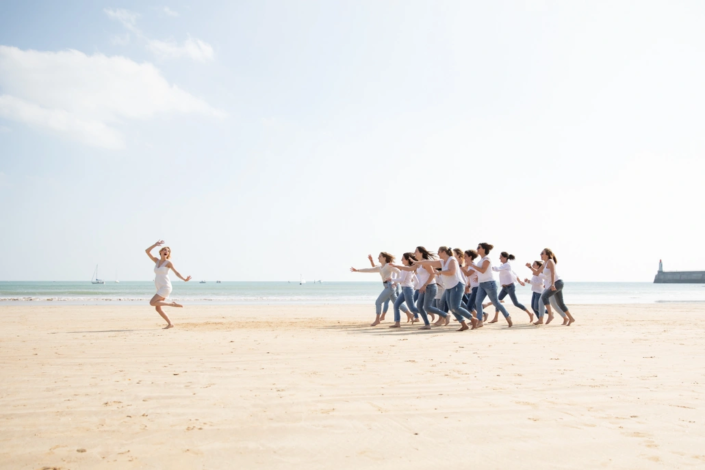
x,y
450,281
487,275
506,275
537,284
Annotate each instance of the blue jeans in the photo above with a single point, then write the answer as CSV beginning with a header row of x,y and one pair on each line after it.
x,y
471,300
425,303
536,305
442,303
511,290
488,289
454,297
389,293
557,294
407,295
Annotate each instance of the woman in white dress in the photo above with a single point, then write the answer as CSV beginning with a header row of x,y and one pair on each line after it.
x,y
162,282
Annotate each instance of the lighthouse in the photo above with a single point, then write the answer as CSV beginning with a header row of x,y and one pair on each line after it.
x,y
660,266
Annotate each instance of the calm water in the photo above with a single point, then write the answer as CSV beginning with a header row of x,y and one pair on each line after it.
x,y
81,292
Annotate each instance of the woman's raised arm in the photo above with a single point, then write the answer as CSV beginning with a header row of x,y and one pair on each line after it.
x,y
149,250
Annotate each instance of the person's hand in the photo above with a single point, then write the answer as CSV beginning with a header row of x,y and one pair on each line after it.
x,y
553,287
159,243
369,257
522,284
422,289
526,280
528,265
188,278
353,270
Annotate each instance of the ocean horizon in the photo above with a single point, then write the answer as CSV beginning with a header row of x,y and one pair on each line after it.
x,y
290,292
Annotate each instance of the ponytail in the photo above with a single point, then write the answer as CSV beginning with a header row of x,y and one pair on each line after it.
x,y
507,255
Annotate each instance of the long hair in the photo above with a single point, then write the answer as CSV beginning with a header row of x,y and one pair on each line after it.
x,y
504,254
425,254
389,258
409,257
472,254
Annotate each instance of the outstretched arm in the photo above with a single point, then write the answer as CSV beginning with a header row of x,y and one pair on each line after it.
x,y
366,270
403,268
536,272
372,261
178,274
428,263
149,250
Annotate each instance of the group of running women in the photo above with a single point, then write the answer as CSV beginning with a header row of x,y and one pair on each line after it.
x,y
452,281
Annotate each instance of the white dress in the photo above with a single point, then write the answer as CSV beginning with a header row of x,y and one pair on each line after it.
x,y
161,279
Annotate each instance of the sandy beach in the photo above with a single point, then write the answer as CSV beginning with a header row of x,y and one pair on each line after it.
x,y
313,387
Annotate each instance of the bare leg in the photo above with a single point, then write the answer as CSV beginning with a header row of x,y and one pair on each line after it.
x,y
158,301
509,320
570,318
376,322
531,316
164,316
463,326
496,316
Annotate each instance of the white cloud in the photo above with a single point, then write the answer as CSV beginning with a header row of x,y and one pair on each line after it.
x,y
192,48
169,12
85,97
126,17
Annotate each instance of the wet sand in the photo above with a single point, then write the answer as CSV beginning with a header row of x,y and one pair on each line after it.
x,y
313,387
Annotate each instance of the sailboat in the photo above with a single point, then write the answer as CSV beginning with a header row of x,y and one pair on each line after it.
x,y
94,279
302,281
116,278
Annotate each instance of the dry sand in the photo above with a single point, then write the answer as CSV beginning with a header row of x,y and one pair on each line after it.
x,y
312,387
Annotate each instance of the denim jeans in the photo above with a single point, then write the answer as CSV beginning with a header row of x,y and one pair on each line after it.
x,y
425,303
389,293
407,295
558,294
488,289
442,303
536,305
511,290
471,300
454,296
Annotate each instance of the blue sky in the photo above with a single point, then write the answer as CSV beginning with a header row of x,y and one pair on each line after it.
x,y
266,139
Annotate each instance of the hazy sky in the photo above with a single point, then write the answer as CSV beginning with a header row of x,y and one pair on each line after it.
x,y
265,139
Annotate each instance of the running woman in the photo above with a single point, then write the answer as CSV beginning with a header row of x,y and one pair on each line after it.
x,y
161,280
406,281
488,286
453,282
387,271
471,274
554,286
537,289
506,279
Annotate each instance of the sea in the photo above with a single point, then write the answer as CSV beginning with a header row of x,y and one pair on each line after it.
x,y
283,293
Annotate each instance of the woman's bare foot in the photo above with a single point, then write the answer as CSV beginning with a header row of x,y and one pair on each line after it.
x,y
425,327
433,317
479,325
473,322
565,321
170,325
447,320
174,304
531,317
395,325
463,326
382,317
539,322
550,319
571,320
485,317
441,322
375,323
509,320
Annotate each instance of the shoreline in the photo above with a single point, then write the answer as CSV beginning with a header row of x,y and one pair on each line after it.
x,y
287,387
